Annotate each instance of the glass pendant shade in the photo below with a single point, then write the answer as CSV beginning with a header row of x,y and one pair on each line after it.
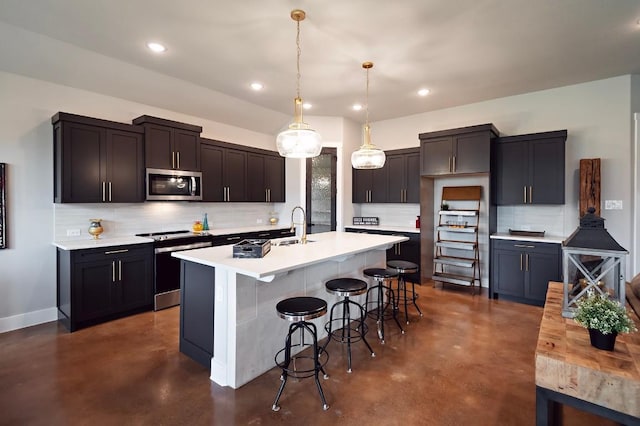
x,y
299,140
368,156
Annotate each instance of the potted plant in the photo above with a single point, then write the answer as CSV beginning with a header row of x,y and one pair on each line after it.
x,y
604,318
444,206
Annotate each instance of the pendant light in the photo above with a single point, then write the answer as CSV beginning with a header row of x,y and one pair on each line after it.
x,y
368,156
299,140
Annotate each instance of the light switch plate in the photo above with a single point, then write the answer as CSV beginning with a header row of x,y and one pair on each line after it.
x,y
73,232
613,204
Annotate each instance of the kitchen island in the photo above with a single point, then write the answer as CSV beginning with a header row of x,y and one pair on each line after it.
x,y
228,319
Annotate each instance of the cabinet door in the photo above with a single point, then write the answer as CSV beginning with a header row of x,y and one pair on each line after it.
x,y
186,146
546,171
379,185
472,153
436,156
511,173
274,176
235,174
83,163
508,272
542,268
134,280
360,186
397,173
413,178
256,185
125,167
93,292
158,147
211,158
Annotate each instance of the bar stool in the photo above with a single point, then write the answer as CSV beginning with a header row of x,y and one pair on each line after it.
x,y
344,331
299,310
383,279
405,268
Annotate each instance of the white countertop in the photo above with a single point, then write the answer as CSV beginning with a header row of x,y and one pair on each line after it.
x,y
405,229
546,239
100,242
325,246
107,240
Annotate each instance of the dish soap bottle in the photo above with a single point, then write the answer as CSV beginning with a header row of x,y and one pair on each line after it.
x,y
205,223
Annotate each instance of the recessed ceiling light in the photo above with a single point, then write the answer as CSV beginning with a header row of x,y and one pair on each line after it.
x,y
356,107
423,92
306,105
156,47
257,86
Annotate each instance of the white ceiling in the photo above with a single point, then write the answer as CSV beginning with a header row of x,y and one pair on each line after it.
x,y
464,51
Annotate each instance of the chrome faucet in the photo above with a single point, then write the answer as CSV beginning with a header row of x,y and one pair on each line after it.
x,y
303,238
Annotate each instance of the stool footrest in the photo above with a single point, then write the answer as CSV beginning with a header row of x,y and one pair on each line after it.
x,y
301,365
340,334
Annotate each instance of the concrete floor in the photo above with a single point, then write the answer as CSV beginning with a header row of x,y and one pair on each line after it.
x,y
468,361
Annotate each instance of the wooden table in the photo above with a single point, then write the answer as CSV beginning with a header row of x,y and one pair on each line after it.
x,y
570,371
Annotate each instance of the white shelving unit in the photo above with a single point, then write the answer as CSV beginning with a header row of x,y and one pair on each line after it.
x,y
457,256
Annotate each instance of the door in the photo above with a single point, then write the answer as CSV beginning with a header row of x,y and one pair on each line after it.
x,y
84,163
436,156
511,173
187,148
212,173
321,192
471,153
125,167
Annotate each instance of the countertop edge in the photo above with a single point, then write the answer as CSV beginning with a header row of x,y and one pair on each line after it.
x,y
553,239
385,228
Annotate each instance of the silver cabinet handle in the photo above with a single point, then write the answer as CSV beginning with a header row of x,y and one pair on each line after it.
x,y
530,193
119,270
524,194
109,191
521,261
449,164
113,271
454,164
103,191
524,246
116,251
527,262
269,190
178,158
232,238
173,159
266,234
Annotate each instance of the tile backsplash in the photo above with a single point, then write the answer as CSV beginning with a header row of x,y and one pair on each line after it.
x,y
129,219
403,215
548,218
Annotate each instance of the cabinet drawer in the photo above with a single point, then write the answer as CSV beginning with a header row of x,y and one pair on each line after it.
x,y
92,255
530,246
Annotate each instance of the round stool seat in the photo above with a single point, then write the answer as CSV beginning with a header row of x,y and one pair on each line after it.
x,y
402,266
380,273
301,308
346,287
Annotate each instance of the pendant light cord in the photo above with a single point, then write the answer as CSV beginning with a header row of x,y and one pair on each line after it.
x,y
366,105
298,52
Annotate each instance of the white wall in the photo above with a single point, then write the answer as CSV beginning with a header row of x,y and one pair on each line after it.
x,y
27,266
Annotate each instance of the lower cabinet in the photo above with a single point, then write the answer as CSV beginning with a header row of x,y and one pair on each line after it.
x,y
406,250
521,270
96,285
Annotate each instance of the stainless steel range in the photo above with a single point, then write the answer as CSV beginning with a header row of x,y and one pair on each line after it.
x,y
166,277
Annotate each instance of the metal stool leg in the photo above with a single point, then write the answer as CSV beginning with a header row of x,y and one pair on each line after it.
x,y
312,329
413,297
287,361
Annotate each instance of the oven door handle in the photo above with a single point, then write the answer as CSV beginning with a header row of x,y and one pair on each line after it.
x,y
182,247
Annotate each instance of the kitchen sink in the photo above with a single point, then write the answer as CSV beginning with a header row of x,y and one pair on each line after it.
x,y
290,242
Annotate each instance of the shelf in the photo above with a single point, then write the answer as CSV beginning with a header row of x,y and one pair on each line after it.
x,y
458,245
454,279
461,262
458,212
467,229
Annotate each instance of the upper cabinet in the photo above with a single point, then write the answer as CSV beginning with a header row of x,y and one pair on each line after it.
x,y
224,172
404,176
266,179
170,144
397,182
97,161
530,169
464,150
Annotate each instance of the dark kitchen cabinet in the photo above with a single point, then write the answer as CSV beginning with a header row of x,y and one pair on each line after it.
x,y
266,178
530,169
170,144
464,150
521,270
96,285
97,161
403,176
370,185
224,172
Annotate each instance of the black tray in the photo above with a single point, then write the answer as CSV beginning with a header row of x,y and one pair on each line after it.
x,y
526,233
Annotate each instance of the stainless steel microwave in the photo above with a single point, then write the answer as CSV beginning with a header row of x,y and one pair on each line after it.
x,y
173,185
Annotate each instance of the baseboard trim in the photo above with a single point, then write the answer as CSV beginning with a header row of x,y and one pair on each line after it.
x,y
28,319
